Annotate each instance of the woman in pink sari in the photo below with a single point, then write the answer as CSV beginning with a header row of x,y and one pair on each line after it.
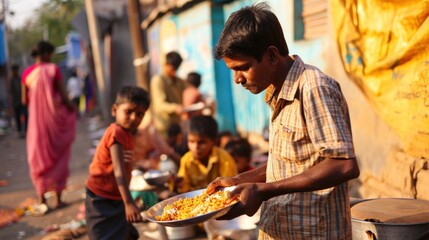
x,y
51,124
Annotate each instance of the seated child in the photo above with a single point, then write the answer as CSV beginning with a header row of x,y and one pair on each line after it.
x,y
223,138
241,150
175,139
204,162
110,209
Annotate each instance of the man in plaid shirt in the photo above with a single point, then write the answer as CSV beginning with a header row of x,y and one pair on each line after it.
x,y
303,188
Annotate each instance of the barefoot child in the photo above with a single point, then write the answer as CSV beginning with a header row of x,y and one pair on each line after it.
x,y
110,209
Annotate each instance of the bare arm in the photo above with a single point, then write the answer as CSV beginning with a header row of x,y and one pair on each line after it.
x,y
24,92
329,173
131,210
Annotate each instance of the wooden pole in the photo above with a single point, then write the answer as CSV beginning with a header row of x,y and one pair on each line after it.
x,y
140,60
96,54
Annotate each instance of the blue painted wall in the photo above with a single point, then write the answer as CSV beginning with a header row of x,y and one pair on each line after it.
x,y
194,33
191,33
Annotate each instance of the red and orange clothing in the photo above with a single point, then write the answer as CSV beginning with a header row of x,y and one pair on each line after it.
x,y
101,179
51,128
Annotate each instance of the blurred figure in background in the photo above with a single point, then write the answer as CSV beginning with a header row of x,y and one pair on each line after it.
x,y
19,110
241,150
176,139
223,138
51,124
150,146
74,89
191,96
167,90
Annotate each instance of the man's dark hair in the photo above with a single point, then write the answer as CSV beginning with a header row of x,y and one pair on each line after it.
x,y
133,94
204,126
249,32
174,59
239,147
42,47
194,79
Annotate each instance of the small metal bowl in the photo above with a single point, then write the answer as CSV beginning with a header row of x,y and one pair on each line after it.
x,y
156,178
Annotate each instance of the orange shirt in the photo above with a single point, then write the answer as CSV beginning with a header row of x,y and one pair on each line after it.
x,y
101,179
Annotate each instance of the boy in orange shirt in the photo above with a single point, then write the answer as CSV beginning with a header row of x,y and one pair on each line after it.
x,y
110,209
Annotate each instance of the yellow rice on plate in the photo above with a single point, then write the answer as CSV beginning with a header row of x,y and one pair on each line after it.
x,y
191,207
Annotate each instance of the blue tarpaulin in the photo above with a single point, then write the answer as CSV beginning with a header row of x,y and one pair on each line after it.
x,y
3,48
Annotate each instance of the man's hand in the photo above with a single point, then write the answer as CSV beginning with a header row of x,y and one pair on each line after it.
x,y
250,200
220,182
132,213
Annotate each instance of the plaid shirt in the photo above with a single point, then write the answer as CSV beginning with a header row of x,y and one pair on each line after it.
x,y
309,122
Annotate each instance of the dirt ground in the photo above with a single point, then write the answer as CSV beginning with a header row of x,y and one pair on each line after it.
x,y
16,188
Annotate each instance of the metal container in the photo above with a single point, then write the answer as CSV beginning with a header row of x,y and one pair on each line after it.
x,y
390,219
364,230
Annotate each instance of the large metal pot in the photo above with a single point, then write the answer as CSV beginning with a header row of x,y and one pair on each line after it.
x,y
390,219
364,230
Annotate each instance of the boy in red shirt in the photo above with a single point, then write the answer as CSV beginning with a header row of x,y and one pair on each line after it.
x,y
110,209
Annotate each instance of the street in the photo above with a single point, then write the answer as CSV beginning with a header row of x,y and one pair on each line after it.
x,y
18,189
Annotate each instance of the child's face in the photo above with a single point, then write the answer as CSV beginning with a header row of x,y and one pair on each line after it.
x,y
128,115
243,163
200,146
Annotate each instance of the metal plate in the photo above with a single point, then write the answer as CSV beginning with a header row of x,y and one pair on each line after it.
x,y
158,208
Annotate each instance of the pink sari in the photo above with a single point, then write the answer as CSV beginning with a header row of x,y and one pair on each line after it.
x,y
51,130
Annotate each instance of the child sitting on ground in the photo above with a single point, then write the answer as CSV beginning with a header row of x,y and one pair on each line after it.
x,y
241,150
110,209
204,162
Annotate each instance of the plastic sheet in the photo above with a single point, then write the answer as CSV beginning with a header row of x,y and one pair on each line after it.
x,y
384,46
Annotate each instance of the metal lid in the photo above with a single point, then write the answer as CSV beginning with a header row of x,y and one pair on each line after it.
x,y
391,210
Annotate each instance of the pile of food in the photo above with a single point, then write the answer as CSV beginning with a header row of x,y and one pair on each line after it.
x,y
191,207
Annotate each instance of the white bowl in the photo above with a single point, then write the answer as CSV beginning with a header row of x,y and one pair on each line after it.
x,y
184,232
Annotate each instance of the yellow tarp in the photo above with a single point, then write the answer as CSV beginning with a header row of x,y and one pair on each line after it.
x,y
384,46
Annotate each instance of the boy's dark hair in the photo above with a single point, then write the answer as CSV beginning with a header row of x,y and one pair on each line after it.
x,y
222,134
194,79
42,47
174,59
73,73
204,126
15,67
174,130
239,147
133,94
250,31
